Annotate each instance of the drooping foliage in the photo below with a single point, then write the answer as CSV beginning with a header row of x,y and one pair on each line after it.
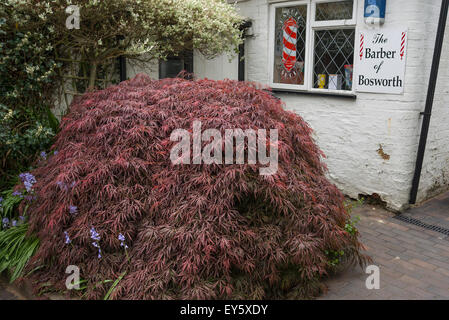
x,y
112,203
28,78
137,29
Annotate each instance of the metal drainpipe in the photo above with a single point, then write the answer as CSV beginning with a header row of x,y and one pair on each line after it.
x,y
429,101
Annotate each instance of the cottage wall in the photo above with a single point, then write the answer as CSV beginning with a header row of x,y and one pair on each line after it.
x,y
370,142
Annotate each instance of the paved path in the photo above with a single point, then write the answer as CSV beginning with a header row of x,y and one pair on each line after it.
x,y
8,292
413,261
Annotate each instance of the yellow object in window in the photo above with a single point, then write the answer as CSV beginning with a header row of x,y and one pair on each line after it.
x,y
321,81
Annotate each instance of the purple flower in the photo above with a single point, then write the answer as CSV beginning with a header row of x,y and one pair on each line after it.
x,y
28,180
22,218
27,177
1,199
94,234
67,239
44,155
17,193
96,237
5,222
121,238
28,186
55,152
14,223
73,209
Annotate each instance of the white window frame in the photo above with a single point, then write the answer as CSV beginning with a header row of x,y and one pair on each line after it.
x,y
312,26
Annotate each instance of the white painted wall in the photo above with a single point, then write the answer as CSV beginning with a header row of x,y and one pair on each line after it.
x,y
351,131
135,67
222,67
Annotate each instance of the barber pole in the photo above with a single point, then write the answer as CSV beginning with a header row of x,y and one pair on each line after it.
x,y
290,30
402,45
362,38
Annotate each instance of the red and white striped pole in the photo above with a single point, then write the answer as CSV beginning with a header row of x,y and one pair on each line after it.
x,y
290,30
362,38
402,45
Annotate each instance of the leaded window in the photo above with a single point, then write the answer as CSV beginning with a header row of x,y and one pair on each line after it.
x,y
313,45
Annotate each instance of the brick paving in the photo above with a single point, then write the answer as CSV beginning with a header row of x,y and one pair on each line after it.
x,y
8,292
413,261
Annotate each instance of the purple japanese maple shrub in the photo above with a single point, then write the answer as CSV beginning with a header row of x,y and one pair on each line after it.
x,y
112,203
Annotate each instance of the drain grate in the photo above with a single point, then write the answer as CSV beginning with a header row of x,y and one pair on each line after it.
x,y
421,224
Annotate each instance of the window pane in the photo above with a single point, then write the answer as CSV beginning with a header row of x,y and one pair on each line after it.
x,y
170,68
290,45
334,10
174,65
334,58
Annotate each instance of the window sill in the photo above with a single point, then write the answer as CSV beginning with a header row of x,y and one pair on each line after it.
x,y
349,95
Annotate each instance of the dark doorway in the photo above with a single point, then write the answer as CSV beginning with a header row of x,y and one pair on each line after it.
x,y
245,26
174,65
242,62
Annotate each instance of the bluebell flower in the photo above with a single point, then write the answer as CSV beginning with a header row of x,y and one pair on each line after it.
x,y
96,237
1,199
14,223
28,186
73,209
17,193
121,238
94,234
55,152
28,180
5,222
27,177
44,155
67,239
22,218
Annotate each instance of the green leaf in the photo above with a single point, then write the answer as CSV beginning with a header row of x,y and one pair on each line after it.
x,y
106,297
53,121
